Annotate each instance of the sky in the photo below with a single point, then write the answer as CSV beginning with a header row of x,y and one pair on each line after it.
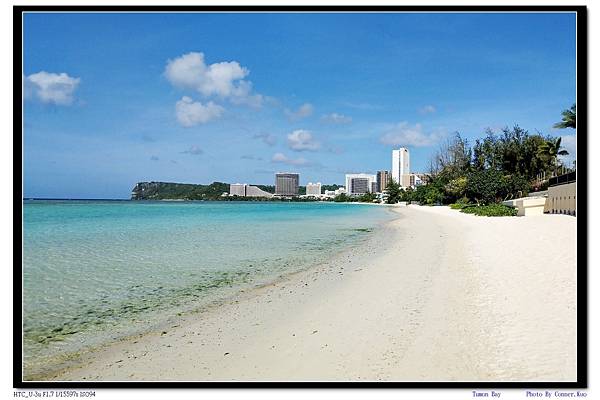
x,y
114,99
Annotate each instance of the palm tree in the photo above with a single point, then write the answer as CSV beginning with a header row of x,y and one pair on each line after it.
x,y
550,150
568,118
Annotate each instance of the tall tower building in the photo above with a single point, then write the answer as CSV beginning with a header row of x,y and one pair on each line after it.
x,y
401,166
383,178
286,184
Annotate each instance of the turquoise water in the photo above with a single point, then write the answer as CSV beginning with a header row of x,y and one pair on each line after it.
x,y
94,269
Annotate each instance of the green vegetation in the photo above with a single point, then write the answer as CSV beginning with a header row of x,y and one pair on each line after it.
x,y
178,191
477,178
568,118
490,210
394,192
550,151
365,198
214,191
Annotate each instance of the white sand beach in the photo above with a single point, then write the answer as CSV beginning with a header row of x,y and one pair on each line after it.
x,y
436,296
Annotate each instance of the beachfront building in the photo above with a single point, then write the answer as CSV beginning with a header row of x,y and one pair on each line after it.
x,y
401,167
253,191
286,184
245,190
417,179
374,187
357,184
333,193
237,189
313,189
383,178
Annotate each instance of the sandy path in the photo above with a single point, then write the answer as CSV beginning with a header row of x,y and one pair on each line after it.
x,y
438,295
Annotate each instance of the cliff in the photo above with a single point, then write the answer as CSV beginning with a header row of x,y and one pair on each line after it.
x,y
178,191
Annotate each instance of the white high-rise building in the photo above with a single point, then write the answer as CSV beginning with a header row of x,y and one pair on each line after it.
x,y
401,167
237,189
359,183
313,189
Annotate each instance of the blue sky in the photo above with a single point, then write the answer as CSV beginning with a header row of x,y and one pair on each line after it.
x,y
113,99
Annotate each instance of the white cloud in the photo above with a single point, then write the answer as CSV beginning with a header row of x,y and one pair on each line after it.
x,y
301,140
223,79
193,150
335,118
303,111
49,87
282,158
428,109
403,134
190,113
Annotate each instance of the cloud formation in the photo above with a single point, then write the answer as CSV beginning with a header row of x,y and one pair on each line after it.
x,y
266,138
305,110
190,113
282,158
302,140
428,109
51,88
335,118
193,150
403,134
223,79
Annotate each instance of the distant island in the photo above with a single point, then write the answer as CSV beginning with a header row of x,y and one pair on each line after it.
x,y
189,191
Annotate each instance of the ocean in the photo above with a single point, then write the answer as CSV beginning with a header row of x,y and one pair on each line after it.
x,y
96,271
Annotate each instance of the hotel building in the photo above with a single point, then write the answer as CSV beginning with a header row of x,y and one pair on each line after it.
x,y
417,179
286,184
313,189
374,187
335,192
383,178
359,183
245,190
401,167
237,189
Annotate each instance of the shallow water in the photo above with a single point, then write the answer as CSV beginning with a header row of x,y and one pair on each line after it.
x,y
94,270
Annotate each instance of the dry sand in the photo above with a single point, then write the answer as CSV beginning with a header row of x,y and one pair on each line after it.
x,y
437,295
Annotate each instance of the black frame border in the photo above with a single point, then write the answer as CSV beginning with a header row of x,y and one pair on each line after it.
x,y
582,211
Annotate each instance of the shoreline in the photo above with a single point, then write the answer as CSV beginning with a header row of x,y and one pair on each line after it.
x,y
61,362
438,304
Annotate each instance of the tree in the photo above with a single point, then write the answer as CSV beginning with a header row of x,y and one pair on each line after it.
x,y
393,191
452,159
550,150
456,188
368,197
342,198
484,186
569,118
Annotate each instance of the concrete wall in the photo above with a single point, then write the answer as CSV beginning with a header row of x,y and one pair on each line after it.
x,y
562,199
